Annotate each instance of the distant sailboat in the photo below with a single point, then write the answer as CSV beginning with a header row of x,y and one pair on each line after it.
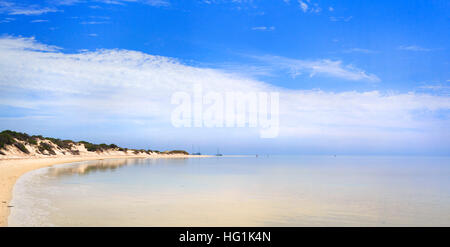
x,y
195,153
218,153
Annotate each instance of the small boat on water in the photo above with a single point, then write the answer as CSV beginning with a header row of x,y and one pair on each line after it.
x,y
195,153
218,153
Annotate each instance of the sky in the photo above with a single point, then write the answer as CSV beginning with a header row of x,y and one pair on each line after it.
x,y
353,77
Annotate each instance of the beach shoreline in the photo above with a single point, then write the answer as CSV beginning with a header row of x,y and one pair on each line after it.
x,y
12,169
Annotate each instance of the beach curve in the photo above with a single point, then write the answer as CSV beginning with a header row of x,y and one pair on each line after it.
x,y
12,169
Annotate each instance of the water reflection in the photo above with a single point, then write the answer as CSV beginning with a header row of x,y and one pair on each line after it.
x,y
108,165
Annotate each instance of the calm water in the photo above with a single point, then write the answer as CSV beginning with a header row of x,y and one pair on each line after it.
x,y
237,191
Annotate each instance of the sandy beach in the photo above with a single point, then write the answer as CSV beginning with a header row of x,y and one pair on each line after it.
x,y
12,169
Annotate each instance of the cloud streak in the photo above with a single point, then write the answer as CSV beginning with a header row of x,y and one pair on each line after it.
x,y
12,8
93,22
340,18
157,3
38,21
308,6
263,28
413,48
359,50
321,67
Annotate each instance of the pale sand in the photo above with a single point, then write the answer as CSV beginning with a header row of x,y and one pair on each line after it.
x,y
12,169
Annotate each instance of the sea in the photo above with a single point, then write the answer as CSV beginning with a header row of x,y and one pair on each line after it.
x,y
265,190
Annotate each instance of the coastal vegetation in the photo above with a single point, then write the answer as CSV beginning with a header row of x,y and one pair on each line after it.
x,y
98,147
9,137
49,145
176,152
21,147
43,146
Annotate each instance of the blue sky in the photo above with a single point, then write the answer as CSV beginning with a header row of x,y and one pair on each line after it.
x,y
391,54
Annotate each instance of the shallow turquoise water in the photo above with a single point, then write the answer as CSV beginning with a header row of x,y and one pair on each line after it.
x,y
238,191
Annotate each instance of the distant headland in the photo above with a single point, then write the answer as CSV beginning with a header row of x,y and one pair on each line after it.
x,y
21,145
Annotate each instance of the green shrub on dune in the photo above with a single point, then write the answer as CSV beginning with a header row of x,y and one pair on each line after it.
x,y
5,139
18,135
63,144
99,147
8,137
43,146
33,141
21,147
91,147
177,152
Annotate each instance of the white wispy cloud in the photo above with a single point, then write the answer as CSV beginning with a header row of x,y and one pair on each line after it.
x,y
413,48
303,6
100,17
7,20
147,2
32,11
309,6
341,18
38,21
93,22
17,44
264,28
123,85
437,88
13,8
156,2
322,67
359,50
67,2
